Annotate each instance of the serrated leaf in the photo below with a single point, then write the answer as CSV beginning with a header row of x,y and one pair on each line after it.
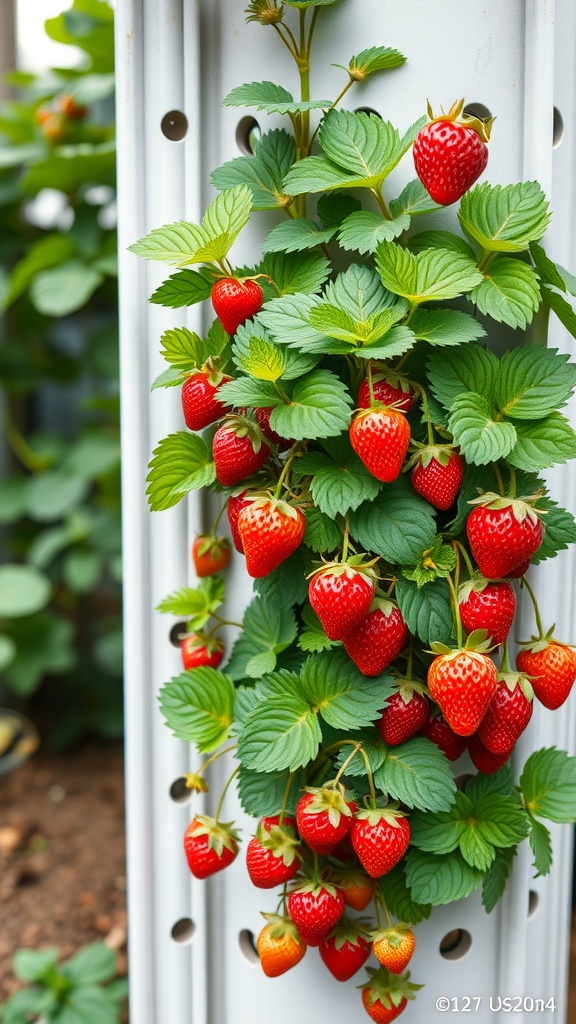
x,y
264,172
445,327
548,272
541,846
376,58
294,273
564,311
505,218
287,585
397,896
436,833
477,852
265,631
498,783
296,236
480,436
333,208
560,532
195,604
396,525
439,880
359,292
495,879
426,610
413,200
363,231
245,391
500,820
417,774
333,322
339,692
176,244
440,239
510,292
312,637
184,289
340,481
319,407
262,793
181,463
198,707
322,533
228,213
281,732
272,98
287,320
543,443
169,378
261,359
533,381
430,275
186,351
475,370
548,784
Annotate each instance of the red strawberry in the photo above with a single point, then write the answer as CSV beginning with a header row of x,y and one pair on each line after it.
x,y
380,838
439,732
357,889
270,531
483,759
386,995
210,554
279,946
345,951
378,639
406,713
238,450
552,670
450,153
315,908
394,947
272,855
398,393
235,302
380,437
489,606
520,570
438,475
200,402
323,818
236,502
263,420
198,650
503,534
209,845
341,596
508,714
462,683
379,1011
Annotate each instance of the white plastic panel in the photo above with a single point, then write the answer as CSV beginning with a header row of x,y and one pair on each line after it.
x,y
186,55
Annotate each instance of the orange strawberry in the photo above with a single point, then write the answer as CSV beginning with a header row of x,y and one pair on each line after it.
x,y
386,995
357,889
394,947
552,670
279,945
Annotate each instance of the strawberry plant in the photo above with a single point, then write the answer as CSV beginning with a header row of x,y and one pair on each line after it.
x,y
380,468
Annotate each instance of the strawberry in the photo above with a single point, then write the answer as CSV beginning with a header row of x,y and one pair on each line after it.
x,y
279,946
380,838
357,889
439,732
508,714
380,437
489,606
270,531
450,153
520,570
209,845
238,450
503,534
235,302
315,907
388,389
378,639
394,947
438,475
344,951
236,502
68,106
551,667
323,818
272,855
263,421
483,759
406,713
462,682
341,595
198,650
386,995
210,554
200,403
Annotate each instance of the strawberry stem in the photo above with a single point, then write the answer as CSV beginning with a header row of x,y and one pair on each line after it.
x,y
346,538
380,200
505,666
499,479
512,480
351,757
426,407
224,791
459,548
286,469
285,798
370,381
524,583
215,758
456,611
218,518
289,42
340,96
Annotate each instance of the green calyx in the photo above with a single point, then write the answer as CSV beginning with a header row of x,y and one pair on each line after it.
x,y
314,886
220,834
281,840
279,506
481,125
348,931
537,644
477,642
388,989
353,564
514,679
212,545
195,783
391,815
280,926
393,935
209,643
330,801
424,453
245,426
436,562
476,584
266,12
408,687
521,507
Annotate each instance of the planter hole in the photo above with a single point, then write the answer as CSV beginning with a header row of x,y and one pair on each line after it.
x,y
455,944
248,135
177,632
533,903
179,791
247,944
368,110
463,780
174,125
183,931
477,110
558,129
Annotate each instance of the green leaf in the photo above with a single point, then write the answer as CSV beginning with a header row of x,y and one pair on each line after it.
x,y
294,273
439,239
29,1004
34,964
176,244
495,879
509,293
426,610
274,99
500,820
260,358
344,697
183,349
413,200
564,311
245,391
543,443
336,323
287,320
548,784
169,378
430,275
198,707
481,438
475,370
396,525
533,381
44,647
53,493
497,784
264,172
438,879
88,1005
319,407
185,288
91,964
195,604
287,585
363,231
560,532
333,208
266,630
296,235
438,833
376,58
23,591
397,896
7,651
312,637
281,732
359,292
82,570
445,327
417,774
541,846
63,290
548,272
262,793
340,481
505,219
47,252
181,463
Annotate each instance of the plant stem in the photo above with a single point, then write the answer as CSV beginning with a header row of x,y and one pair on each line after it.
x,y
346,538
380,200
22,450
218,518
456,612
215,757
539,626
346,763
285,799
465,556
505,666
426,407
370,381
286,469
289,42
224,791
512,480
499,479
340,96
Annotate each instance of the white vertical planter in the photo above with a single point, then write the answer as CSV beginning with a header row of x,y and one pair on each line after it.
x,y
185,55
